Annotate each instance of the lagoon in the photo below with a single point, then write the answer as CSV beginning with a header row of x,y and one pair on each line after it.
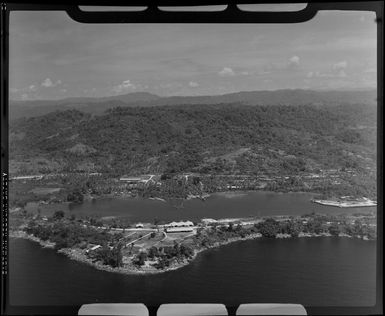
x,y
233,204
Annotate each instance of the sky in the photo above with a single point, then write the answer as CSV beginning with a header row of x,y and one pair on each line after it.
x,y
54,57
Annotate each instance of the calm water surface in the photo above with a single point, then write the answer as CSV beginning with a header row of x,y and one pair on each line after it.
x,y
219,205
314,272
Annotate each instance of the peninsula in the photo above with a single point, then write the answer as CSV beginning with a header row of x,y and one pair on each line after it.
x,y
154,248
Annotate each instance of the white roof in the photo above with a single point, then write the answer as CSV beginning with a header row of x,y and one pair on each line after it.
x,y
179,224
179,229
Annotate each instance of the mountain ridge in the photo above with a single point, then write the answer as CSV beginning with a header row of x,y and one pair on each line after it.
x,y
144,99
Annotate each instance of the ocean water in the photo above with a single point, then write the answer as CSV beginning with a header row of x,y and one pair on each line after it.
x,y
310,271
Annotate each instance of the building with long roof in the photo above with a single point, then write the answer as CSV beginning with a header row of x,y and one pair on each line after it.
x,y
178,227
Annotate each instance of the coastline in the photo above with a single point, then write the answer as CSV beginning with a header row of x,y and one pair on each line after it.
x,y
79,255
23,235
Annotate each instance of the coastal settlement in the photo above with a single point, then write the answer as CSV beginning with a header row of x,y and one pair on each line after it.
x,y
115,244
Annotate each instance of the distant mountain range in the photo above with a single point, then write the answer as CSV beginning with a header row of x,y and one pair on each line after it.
x,y
143,99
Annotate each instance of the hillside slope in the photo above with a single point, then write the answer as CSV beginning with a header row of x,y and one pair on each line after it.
x,y
225,138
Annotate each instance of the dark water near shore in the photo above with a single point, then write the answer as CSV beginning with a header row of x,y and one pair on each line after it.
x,y
219,205
314,272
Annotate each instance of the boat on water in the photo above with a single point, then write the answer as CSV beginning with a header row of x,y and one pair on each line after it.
x,y
356,203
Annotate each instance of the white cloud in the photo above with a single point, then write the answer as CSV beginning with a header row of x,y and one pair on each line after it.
x,y
340,65
48,83
193,84
24,96
245,73
339,69
334,74
13,90
124,86
32,88
226,71
294,60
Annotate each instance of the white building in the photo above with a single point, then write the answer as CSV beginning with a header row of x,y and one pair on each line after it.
x,y
174,227
180,224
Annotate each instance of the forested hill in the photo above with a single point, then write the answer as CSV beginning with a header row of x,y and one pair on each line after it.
x,y
224,138
278,97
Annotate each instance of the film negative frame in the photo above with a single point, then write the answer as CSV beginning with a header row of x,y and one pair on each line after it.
x,y
153,15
